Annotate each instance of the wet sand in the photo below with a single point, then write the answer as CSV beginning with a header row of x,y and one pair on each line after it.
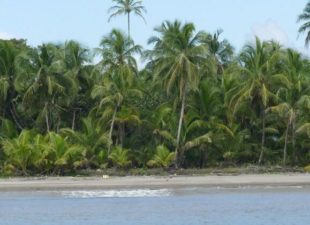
x,y
130,182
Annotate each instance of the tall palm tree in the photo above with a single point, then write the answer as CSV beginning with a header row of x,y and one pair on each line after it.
x,y
126,7
76,59
175,59
116,50
294,97
257,75
305,27
119,68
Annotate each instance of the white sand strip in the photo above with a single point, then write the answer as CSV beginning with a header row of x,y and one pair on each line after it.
x,y
97,183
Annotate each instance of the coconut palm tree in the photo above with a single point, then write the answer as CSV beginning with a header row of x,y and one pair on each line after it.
x,y
126,7
175,59
113,95
44,84
305,27
76,59
220,52
116,50
120,68
257,77
295,96
9,52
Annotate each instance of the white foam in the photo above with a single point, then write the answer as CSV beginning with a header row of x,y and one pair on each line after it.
x,y
117,193
251,187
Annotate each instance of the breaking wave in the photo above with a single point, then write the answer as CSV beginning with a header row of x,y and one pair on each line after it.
x,y
117,193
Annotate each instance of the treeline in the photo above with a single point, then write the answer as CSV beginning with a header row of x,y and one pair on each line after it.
x,y
196,103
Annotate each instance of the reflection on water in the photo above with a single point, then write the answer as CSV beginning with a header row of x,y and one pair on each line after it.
x,y
215,206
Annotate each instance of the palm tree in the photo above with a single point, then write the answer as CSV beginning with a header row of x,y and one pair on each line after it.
x,y
9,69
119,67
295,96
305,27
194,135
44,83
116,51
126,7
175,59
113,94
219,51
76,59
257,76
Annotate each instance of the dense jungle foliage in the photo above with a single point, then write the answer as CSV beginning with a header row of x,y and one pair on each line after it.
x,y
195,102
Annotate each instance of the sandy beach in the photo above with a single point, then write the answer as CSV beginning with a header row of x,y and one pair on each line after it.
x,y
95,183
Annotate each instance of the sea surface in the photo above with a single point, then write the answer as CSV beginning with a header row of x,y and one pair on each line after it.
x,y
215,206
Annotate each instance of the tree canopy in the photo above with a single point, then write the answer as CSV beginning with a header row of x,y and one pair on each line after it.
x,y
195,102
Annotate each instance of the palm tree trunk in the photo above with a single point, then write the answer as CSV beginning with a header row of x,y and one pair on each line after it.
x,y
73,120
47,123
263,138
285,143
294,141
111,129
128,24
46,119
180,129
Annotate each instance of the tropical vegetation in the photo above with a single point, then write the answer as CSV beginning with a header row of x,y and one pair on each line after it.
x,y
195,103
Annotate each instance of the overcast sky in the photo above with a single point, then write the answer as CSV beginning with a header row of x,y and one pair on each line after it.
x,y
41,21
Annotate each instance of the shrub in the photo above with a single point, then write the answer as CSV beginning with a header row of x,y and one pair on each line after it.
x,y
162,158
119,157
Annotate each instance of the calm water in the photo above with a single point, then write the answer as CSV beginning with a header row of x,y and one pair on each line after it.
x,y
214,206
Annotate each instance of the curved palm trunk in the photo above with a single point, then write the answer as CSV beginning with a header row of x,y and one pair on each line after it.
x,y
285,144
177,149
111,129
73,120
261,156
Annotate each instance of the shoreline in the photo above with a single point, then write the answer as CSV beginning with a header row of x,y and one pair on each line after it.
x,y
151,182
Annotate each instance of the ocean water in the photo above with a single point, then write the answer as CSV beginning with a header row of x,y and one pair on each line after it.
x,y
214,206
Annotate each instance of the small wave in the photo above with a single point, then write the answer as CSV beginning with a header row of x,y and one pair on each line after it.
x,y
283,187
117,193
254,187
